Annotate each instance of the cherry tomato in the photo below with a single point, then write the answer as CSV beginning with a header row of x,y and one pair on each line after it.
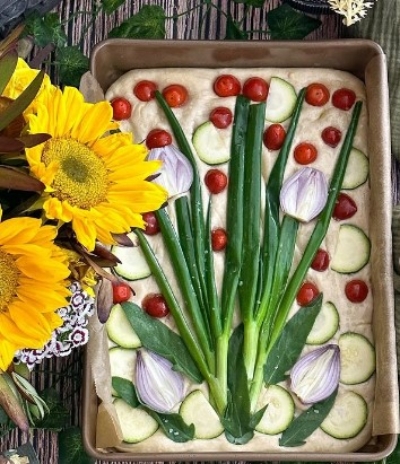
x,y
305,153
215,180
121,292
175,95
122,109
219,239
155,305
226,85
256,89
221,117
158,138
356,290
152,226
308,291
317,94
343,99
274,136
144,90
345,207
331,136
321,261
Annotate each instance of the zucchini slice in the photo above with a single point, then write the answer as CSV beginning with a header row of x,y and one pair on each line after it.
x,y
352,251
197,410
347,417
136,423
212,145
122,364
281,100
325,326
280,410
119,330
357,170
357,358
133,265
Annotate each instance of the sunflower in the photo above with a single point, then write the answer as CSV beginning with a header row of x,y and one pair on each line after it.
x,y
94,179
32,285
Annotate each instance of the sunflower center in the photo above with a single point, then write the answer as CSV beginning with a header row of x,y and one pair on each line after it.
x,y
8,280
82,177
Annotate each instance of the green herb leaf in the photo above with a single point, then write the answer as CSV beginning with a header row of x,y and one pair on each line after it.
x,y
126,390
73,64
8,64
57,416
307,422
46,29
290,343
174,427
285,23
109,6
233,30
71,449
148,23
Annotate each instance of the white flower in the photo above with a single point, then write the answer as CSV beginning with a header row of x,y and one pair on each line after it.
x,y
352,10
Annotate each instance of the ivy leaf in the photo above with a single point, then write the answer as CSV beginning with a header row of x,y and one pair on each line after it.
x,y
45,29
233,31
148,23
126,390
174,427
73,64
71,450
109,6
285,23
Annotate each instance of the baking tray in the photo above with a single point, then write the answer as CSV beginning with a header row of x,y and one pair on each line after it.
x,y
363,58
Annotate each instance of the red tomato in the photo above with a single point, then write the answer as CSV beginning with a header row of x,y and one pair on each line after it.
x,y
256,89
158,138
345,207
221,117
343,99
152,226
175,95
121,292
305,153
274,136
215,180
356,290
155,305
122,109
308,291
219,239
321,261
331,136
226,85
317,94
144,90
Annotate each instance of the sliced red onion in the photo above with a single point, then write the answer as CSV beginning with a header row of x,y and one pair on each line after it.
x,y
176,174
315,376
158,386
304,194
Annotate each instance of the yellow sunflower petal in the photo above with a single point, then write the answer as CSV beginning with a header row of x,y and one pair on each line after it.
x,y
18,230
7,352
11,332
95,124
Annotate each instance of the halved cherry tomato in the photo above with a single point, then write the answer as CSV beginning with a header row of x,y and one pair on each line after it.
x,y
144,90
317,94
215,180
122,109
305,153
155,305
158,138
274,136
308,291
356,291
221,117
175,95
331,136
343,98
321,261
345,207
121,292
226,85
256,89
219,239
152,227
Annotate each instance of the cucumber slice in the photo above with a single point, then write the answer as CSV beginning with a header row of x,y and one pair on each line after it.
x,y
136,423
133,264
357,358
280,410
211,144
196,410
357,170
119,330
281,100
347,417
352,251
325,326
122,364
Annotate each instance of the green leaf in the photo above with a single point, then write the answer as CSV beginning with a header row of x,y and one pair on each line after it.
x,y
109,6
394,458
73,64
148,23
71,450
126,390
46,29
290,343
8,64
233,30
285,23
58,415
174,427
307,422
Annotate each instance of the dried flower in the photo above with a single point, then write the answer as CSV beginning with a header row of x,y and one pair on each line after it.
x,y
352,10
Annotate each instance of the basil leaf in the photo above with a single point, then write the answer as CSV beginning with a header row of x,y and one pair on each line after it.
x,y
148,23
290,343
173,426
157,337
73,63
286,23
109,6
307,422
126,390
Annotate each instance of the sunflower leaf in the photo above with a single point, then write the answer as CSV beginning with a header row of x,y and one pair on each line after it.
x,y
10,145
13,178
7,67
148,23
32,140
286,23
73,64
